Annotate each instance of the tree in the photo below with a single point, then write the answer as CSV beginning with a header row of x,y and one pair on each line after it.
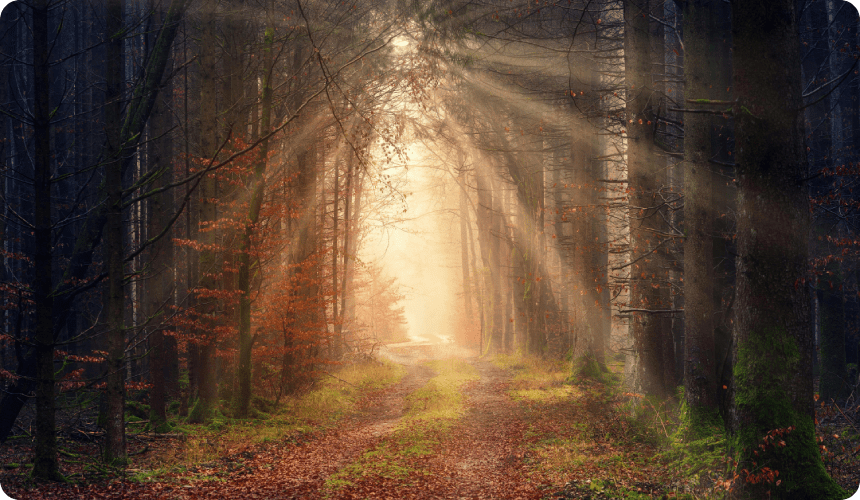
x,y
773,334
700,384
45,466
647,289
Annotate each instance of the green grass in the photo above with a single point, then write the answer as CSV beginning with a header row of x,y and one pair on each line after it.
x,y
536,379
440,401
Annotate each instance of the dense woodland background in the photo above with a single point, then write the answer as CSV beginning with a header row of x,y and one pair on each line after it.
x,y
187,186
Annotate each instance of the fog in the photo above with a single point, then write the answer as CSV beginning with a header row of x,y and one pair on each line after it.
x,y
421,249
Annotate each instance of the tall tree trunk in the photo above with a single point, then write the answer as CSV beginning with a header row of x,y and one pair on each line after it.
x,y
45,465
160,288
495,270
351,247
464,245
258,187
206,306
485,223
645,204
114,300
773,334
334,257
700,384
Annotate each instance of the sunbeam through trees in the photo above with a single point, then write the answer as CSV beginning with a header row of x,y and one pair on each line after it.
x,y
429,249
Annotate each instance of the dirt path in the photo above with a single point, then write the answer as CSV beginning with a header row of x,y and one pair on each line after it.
x,y
484,456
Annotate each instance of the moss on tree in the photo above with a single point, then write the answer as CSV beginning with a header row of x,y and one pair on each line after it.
x,y
776,451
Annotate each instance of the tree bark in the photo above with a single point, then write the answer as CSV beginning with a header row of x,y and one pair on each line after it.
x,y
207,306
159,289
645,204
45,466
114,297
773,335
258,188
700,385
464,246
484,217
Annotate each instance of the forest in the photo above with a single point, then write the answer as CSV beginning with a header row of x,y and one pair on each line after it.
x,y
490,249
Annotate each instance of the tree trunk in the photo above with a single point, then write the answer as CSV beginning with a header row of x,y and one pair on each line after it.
x,y
484,217
700,384
114,299
773,336
45,466
258,187
160,287
206,306
464,248
645,204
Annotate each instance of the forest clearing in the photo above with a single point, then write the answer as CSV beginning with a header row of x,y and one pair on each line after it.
x,y
430,249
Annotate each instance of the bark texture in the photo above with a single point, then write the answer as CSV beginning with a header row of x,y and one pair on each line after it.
x,y
643,173
700,32
773,348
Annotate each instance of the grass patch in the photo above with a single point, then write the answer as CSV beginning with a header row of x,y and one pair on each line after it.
x,y
537,379
440,400
430,411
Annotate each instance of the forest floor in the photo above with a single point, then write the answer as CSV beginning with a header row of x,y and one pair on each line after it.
x,y
427,425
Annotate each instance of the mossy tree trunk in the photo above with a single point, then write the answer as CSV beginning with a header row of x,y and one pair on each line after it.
x,y
773,348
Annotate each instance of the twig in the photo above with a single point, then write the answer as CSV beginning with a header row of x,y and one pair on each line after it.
x,y
846,418
140,452
342,380
703,111
652,311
